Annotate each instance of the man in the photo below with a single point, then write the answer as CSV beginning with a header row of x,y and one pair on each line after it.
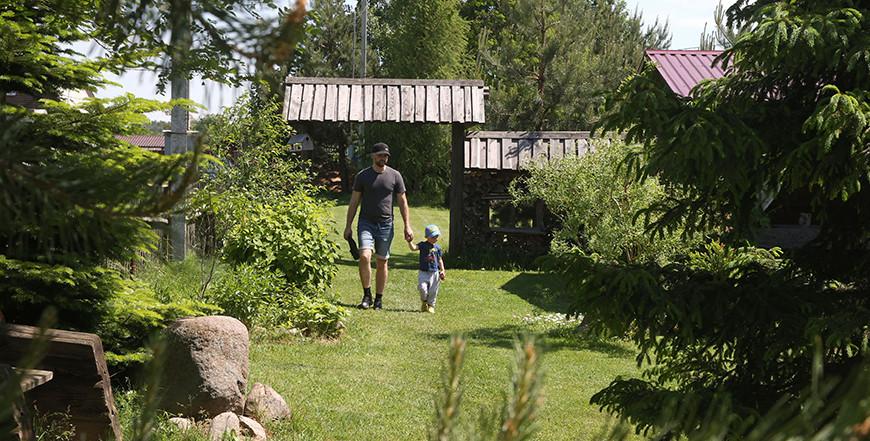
x,y
373,191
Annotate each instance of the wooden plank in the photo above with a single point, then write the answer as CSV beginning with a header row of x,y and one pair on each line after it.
x,y
295,102
432,104
477,109
285,110
444,102
524,152
382,81
343,103
473,159
516,134
419,103
32,378
393,104
458,104
356,103
557,148
467,146
331,109
457,178
317,109
509,154
367,97
468,114
540,150
307,102
379,100
406,94
493,153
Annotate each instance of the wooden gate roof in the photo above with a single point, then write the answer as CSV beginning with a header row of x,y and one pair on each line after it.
x,y
516,150
384,100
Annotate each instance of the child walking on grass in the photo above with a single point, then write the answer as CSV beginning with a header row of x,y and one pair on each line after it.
x,y
431,268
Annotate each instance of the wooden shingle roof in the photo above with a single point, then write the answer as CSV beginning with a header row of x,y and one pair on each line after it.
x,y
384,100
516,150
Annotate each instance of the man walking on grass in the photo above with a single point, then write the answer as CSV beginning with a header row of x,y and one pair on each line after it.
x,y
373,191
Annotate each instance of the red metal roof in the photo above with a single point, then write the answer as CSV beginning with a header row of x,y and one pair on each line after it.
x,y
683,70
152,143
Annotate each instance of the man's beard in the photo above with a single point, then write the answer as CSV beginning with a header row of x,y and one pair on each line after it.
x,y
381,162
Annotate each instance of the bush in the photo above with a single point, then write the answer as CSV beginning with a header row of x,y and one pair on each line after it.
x,y
135,315
252,293
290,237
598,205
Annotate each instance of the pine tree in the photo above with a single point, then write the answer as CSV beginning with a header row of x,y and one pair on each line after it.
x,y
549,62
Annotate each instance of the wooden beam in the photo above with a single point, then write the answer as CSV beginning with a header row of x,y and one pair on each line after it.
x,y
515,134
382,81
457,177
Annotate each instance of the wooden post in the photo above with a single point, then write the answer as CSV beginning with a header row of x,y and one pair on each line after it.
x,y
181,41
457,172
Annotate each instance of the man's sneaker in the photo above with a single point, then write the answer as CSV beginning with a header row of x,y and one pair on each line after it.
x,y
366,302
424,307
378,303
430,309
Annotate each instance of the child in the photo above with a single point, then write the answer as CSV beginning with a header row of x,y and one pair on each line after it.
x,y
431,268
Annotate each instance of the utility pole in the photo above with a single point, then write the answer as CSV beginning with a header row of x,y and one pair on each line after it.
x,y
177,139
364,47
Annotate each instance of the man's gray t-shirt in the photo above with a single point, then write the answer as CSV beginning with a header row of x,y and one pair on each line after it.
x,y
377,193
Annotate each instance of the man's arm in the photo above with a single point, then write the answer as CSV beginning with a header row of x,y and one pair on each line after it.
x,y
406,216
351,212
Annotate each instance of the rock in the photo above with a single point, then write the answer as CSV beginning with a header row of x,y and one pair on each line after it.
x,y
207,359
265,404
253,429
184,424
223,423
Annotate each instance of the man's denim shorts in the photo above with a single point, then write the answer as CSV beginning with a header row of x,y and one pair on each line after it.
x,y
375,236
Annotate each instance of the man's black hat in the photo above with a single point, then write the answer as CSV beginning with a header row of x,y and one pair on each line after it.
x,y
380,148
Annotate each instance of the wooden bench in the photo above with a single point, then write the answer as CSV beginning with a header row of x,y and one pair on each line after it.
x,y
72,378
28,379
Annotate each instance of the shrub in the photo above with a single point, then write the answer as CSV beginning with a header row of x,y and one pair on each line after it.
x,y
598,205
317,317
135,314
290,237
252,293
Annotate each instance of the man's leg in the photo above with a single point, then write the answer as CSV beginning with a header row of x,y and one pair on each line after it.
x,y
381,275
365,268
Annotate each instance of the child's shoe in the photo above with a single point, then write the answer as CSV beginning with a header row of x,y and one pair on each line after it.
x,y
424,307
430,309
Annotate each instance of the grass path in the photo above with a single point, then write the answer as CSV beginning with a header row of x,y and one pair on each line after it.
x,y
379,381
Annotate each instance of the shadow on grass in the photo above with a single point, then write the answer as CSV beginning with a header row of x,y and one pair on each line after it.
x,y
544,290
397,261
355,306
552,340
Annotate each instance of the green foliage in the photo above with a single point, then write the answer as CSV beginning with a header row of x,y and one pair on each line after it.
x,y
254,294
136,315
597,204
290,237
550,62
789,120
521,404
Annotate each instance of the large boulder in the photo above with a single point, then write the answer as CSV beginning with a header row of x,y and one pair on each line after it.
x,y
265,404
206,363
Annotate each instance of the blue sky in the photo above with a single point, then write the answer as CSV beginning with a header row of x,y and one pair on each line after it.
x,y
686,18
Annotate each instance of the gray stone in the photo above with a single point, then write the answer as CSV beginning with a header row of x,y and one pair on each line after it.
x,y
265,404
253,429
223,423
206,366
184,424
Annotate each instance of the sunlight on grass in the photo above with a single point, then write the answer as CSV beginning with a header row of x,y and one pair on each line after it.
x,y
381,379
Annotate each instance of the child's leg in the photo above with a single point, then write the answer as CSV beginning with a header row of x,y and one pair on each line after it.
x,y
423,285
432,294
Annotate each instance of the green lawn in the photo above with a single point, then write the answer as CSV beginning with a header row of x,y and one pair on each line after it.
x,y
379,381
